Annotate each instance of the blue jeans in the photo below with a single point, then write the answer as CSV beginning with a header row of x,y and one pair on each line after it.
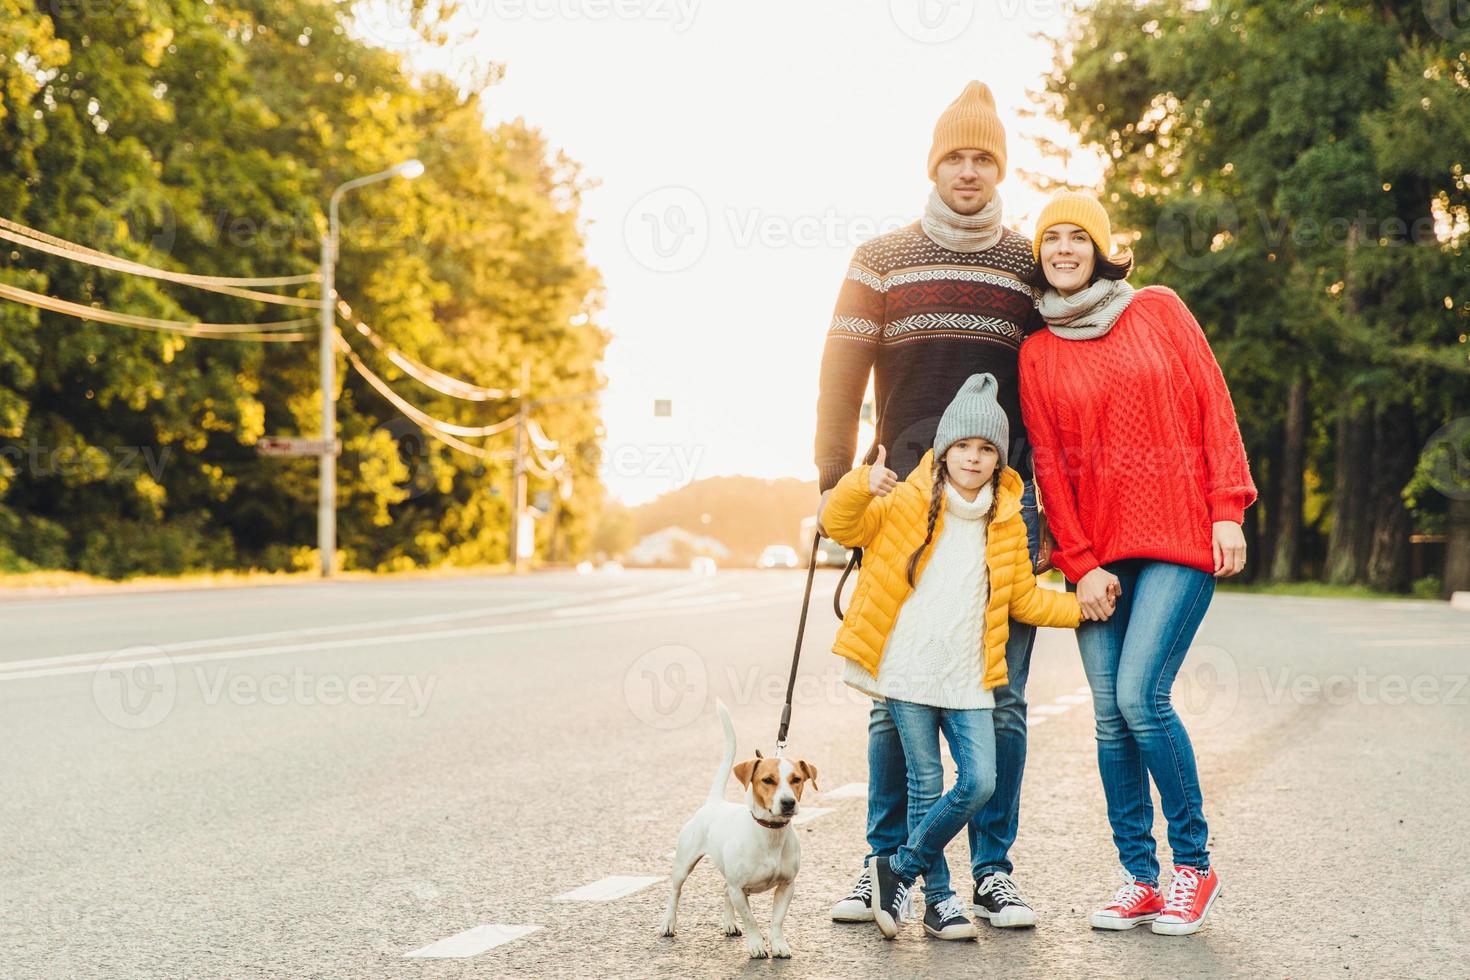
x,y
935,819
1131,662
993,830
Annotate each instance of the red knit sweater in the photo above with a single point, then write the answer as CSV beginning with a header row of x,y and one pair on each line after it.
x,y
1137,450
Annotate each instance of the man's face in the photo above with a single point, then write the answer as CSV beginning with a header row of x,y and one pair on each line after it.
x,y
966,180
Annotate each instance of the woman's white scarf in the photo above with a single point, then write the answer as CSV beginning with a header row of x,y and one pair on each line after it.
x,y
1088,313
962,232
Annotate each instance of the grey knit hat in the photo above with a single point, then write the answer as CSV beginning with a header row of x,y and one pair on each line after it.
x,y
974,412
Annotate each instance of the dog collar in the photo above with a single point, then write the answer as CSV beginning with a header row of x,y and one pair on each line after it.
x,y
770,824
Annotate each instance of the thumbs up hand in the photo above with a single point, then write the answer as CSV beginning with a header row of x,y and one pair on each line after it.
x,y
881,480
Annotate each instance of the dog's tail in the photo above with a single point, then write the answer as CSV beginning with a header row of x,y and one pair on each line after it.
x,y
722,775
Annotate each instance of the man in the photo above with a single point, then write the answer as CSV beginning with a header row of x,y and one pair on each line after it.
x,y
922,309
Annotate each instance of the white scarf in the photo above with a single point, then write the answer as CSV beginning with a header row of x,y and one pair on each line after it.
x,y
1088,313
962,232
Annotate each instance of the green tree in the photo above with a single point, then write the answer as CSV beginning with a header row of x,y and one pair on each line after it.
x,y
1263,153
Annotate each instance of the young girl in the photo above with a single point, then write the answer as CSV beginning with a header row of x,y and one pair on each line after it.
x,y
1145,482
946,566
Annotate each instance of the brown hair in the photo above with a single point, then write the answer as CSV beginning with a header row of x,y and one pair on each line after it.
x,y
936,496
1103,267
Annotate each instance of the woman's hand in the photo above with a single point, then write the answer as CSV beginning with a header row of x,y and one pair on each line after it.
x,y
1229,544
1098,594
881,480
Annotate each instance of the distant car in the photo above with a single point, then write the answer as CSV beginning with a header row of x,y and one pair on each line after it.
x,y
830,553
777,556
615,567
584,568
703,566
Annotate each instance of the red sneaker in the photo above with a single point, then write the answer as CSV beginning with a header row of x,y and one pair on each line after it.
x,y
1132,904
1191,893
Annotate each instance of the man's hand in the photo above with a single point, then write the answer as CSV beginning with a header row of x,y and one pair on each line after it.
x,y
1047,545
1229,547
821,506
881,480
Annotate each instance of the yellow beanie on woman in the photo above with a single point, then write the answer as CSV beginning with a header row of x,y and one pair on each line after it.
x,y
1075,208
970,123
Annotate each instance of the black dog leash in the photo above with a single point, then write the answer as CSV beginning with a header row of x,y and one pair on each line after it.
x,y
811,574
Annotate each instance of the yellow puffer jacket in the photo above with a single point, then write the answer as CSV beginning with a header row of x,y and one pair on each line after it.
x,y
891,527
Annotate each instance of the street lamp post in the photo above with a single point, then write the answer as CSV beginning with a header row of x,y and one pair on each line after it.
x,y
326,524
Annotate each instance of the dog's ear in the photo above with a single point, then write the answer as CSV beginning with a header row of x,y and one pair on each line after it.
x,y
744,771
758,754
808,771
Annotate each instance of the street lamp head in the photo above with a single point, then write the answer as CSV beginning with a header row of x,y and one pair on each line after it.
x,y
409,169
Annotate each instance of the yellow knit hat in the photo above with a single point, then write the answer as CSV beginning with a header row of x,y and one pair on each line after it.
x,y
1075,208
970,123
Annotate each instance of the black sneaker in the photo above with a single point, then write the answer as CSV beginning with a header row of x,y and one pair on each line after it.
x,y
947,920
890,893
858,905
999,902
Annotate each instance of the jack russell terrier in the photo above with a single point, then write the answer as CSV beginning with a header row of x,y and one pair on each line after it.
x,y
752,844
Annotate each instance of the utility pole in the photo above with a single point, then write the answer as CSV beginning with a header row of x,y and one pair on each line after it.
x,y
326,515
524,407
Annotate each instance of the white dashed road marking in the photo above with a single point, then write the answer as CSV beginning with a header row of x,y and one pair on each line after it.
x,y
1085,689
474,941
808,814
1051,709
617,886
1074,699
848,791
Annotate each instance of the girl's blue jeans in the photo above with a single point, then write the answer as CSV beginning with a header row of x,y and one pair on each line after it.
x,y
934,816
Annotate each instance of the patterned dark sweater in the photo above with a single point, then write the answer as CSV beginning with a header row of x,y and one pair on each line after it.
x,y
922,319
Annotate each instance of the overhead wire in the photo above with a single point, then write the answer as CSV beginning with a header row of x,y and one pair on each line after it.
x,y
260,332
421,372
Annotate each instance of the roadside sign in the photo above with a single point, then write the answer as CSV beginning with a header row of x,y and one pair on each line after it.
x,y
296,446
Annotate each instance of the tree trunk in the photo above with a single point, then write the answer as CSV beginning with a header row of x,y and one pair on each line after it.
x,y
1457,547
1287,557
1347,544
1266,463
1253,545
1396,453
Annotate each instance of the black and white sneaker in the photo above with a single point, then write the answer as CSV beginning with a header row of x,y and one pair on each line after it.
x,y
858,906
998,901
890,895
947,920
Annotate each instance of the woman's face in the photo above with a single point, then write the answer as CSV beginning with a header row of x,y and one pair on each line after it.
x,y
971,463
1067,258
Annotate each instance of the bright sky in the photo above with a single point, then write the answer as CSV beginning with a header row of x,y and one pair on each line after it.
x,y
743,151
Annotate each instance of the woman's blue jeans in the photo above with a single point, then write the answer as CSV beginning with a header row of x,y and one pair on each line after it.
x,y
934,816
1131,662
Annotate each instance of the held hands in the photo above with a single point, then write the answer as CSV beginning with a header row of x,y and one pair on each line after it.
x,y
881,480
1229,546
1098,594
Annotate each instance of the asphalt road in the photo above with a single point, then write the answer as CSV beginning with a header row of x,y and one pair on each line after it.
x,y
322,780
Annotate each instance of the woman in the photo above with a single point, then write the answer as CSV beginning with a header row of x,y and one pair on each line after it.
x,y
1144,481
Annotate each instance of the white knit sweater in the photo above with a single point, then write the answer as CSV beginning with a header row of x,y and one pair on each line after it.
x,y
933,654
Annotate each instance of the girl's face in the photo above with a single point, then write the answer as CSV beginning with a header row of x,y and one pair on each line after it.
x,y
971,463
1067,258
